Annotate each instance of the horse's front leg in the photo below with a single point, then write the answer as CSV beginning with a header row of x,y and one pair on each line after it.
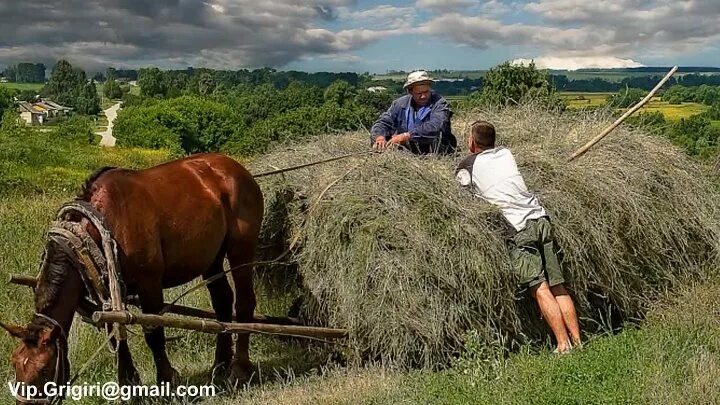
x,y
151,302
127,373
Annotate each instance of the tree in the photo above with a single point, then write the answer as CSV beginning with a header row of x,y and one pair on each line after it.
x,y
26,73
11,73
152,82
626,98
509,84
339,93
111,89
206,84
377,101
88,101
6,100
65,83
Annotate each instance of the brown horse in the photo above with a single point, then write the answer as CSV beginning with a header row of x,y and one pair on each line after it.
x,y
172,223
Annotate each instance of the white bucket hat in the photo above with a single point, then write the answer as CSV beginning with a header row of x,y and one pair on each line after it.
x,y
416,77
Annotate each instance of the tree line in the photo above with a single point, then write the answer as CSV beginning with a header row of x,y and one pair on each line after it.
x,y
25,73
67,85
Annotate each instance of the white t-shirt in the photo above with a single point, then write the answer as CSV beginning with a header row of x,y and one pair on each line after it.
x,y
494,176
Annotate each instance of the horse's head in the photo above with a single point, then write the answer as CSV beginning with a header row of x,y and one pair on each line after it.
x,y
41,357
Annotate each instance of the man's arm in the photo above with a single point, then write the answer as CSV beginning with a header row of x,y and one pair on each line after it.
x,y
430,128
464,170
385,125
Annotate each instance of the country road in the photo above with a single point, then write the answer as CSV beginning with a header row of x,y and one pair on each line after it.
x,y
107,137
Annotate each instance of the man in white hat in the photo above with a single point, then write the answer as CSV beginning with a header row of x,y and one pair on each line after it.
x,y
420,120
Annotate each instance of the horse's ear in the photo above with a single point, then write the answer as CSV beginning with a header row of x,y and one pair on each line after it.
x,y
15,330
47,335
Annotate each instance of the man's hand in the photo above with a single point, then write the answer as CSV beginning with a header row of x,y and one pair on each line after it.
x,y
380,143
400,138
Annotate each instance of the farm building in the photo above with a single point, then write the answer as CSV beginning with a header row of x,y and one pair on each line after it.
x,y
40,111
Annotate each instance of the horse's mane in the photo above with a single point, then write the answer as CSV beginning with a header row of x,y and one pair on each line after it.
x,y
84,194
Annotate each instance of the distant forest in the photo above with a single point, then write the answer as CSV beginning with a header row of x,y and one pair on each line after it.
x,y
463,83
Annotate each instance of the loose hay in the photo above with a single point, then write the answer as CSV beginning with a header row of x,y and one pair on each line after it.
x,y
408,262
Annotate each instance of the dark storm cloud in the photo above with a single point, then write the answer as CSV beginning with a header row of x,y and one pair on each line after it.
x,y
171,33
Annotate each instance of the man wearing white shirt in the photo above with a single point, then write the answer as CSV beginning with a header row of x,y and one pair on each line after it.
x,y
491,173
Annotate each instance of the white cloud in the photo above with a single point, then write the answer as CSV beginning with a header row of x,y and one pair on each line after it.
x,y
380,17
444,6
622,29
579,62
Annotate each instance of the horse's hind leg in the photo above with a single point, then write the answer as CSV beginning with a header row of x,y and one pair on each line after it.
x,y
151,302
221,296
241,252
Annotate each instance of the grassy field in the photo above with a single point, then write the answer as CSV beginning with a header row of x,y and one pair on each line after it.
x,y
674,357
23,86
672,112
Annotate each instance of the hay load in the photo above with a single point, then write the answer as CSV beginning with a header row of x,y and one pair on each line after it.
x,y
393,250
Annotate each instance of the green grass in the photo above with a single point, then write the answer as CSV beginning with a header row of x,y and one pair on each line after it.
x,y
673,358
23,86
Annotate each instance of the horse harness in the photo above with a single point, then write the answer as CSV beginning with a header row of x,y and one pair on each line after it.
x,y
98,268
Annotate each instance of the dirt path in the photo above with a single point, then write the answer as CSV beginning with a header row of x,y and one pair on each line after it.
x,y
107,138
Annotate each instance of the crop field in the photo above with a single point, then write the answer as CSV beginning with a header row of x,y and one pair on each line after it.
x,y
672,112
23,86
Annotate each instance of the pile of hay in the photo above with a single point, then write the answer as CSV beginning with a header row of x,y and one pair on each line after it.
x,y
393,250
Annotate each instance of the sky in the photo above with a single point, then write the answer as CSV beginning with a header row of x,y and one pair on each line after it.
x,y
360,36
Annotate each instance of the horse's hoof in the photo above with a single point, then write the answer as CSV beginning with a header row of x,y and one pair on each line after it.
x,y
242,373
131,378
171,376
220,371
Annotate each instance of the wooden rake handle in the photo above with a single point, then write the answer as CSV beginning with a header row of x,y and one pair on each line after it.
x,y
628,113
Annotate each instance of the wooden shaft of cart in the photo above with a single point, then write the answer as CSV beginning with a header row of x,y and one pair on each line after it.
x,y
211,326
174,308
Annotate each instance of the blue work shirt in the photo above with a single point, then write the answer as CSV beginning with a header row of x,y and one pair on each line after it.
x,y
429,126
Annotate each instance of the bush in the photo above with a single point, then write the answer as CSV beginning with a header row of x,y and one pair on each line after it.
x,y
626,98
509,84
297,124
76,128
697,136
188,123
112,89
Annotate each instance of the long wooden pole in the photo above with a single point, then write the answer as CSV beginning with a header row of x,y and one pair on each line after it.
x,y
629,112
31,281
210,326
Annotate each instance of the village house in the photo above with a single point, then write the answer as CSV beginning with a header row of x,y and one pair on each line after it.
x,y
39,112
